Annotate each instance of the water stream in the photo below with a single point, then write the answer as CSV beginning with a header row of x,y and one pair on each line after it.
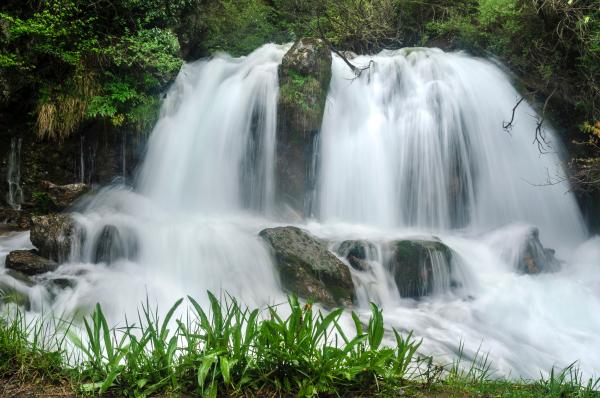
x,y
14,196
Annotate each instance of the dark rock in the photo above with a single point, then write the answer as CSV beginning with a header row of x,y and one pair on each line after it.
x,y
114,244
415,265
16,219
304,76
63,283
357,252
534,258
53,235
307,268
63,196
29,263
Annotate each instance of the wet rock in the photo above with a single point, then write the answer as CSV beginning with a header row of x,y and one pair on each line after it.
x,y
420,267
53,235
63,283
63,196
307,268
15,219
29,263
534,258
20,277
357,252
304,76
114,244
9,294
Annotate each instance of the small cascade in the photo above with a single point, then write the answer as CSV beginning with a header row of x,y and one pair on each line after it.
x,y
14,197
81,159
441,272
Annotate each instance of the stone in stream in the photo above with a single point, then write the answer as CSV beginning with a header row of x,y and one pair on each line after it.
x,y
357,252
28,262
115,243
53,235
304,76
534,258
421,267
307,268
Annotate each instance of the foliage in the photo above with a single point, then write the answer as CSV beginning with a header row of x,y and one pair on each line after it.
x,y
238,26
92,59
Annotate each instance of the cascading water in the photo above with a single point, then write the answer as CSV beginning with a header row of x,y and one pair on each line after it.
x,y
412,149
418,140
14,196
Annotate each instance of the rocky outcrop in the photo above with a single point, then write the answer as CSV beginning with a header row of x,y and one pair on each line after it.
x,y
53,235
357,252
304,76
63,196
534,258
28,262
307,268
114,244
420,267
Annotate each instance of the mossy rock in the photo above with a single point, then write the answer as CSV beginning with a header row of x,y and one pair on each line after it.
x,y
54,235
307,268
304,76
416,263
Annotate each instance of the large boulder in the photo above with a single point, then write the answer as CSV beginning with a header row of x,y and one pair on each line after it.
x,y
28,262
534,258
307,268
115,243
53,235
357,252
421,267
304,76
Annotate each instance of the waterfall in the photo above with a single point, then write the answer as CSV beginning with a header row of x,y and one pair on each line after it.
x,y
418,140
14,197
213,147
414,147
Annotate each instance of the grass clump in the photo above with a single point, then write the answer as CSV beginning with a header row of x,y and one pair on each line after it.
x,y
228,350
232,350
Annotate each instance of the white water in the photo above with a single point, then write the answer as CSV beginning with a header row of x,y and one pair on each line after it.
x,y
414,147
14,196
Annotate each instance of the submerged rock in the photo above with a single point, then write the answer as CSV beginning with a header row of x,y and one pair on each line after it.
x,y
357,252
420,267
9,294
307,268
304,76
29,263
534,258
53,235
114,244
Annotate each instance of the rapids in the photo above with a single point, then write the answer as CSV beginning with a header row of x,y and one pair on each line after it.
x,y
414,146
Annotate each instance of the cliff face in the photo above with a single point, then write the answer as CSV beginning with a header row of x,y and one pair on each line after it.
x,y
94,155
